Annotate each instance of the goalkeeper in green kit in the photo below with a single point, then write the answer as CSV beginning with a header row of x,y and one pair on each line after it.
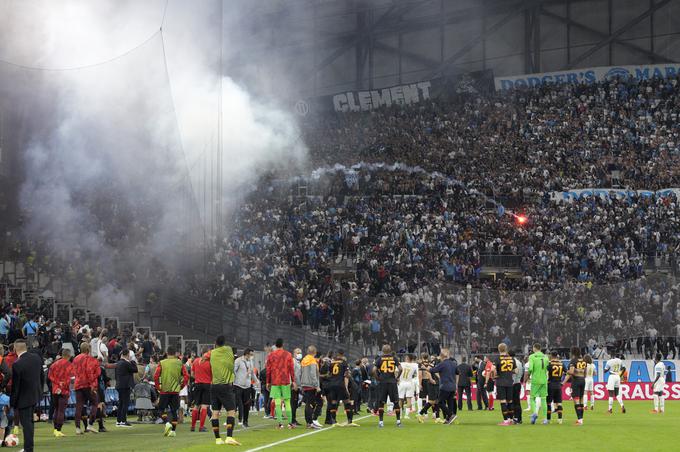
x,y
538,369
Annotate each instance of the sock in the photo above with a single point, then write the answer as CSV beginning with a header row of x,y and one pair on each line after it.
x,y
164,417
216,427
559,411
349,412
549,414
289,410
426,406
174,425
203,414
585,399
611,402
529,401
194,417
537,405
656,402
279,411
544,407
662,402
381,412
504,411
435,410
619,398
230,426
490,400
100,418
397,412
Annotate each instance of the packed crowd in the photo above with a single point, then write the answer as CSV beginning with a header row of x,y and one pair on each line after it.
x,y
420,201
530,140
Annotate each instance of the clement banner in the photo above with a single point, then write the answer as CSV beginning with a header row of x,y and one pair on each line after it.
x,y
404,94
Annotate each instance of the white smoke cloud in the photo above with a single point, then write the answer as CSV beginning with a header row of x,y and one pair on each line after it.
x,y
131,134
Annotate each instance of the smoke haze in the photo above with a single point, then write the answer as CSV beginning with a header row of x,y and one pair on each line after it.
x,y
117,156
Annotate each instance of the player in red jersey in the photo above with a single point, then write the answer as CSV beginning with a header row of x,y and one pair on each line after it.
x,y
202,375
86,369
60,374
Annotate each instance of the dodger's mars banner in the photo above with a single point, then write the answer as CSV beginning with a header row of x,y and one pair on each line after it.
x,y
588,75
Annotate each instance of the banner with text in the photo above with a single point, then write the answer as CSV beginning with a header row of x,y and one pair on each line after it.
x,y
608,193
405,94
588,75
629,391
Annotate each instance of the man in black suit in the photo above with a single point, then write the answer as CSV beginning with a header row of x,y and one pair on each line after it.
x,y
464,373
125,382
27,384
481,384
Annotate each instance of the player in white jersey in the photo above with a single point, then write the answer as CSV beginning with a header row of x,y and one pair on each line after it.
x,y
527,387
408,382
614,367
590,383
659,384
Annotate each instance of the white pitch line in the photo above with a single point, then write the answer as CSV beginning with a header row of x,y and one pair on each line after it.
x,y
292,438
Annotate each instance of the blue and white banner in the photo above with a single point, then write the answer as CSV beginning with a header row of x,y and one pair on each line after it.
x,y
607,193
588,75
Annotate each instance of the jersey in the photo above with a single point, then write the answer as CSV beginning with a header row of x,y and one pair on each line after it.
x,y
578,368
336,375
505,369
538,368
614,365
385,367
222,365
660,371
555,372
590,370
409,372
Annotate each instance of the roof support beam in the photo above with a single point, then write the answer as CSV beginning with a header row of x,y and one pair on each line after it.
x,y
634,47
606,41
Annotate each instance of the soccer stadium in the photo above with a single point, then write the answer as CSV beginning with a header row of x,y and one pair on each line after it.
x,y
341,225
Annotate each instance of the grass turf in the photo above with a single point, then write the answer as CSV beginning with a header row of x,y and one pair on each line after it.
x,y
634,431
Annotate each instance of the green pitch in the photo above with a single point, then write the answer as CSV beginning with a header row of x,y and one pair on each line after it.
x,y
634,431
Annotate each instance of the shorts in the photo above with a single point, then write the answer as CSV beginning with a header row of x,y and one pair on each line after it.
x,y
169,401
406,389
554,394
201,394
279,392
578,388
222,396
387,389
540,390
504,393
336,393
432,391
590,384
613,382
659,386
